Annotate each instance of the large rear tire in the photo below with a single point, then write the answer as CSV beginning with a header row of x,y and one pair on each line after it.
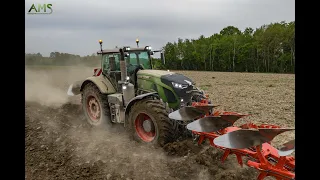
x,y
95,106
149,123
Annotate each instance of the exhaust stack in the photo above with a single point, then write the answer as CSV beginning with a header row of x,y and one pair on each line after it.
x,y
127,88
123,67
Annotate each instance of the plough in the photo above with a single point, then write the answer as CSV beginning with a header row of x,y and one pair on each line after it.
x,y
249,140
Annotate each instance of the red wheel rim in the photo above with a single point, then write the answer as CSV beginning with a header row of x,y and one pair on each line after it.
x,y
93,108
145,127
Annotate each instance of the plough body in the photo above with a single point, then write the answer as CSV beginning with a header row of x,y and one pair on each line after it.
x,y
249,140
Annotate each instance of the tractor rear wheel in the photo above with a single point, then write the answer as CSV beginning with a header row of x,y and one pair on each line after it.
x,y
148,122
95,106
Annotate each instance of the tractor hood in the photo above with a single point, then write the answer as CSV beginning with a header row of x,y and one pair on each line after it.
x,y
179,83
168,77
155,73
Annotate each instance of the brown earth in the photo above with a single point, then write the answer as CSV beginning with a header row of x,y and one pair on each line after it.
x,y
61,145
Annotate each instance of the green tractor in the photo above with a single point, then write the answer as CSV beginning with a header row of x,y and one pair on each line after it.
x,y
127,90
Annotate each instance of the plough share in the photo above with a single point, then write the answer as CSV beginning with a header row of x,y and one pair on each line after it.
x,y
250,140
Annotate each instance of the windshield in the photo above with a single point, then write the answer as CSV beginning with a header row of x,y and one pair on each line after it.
x,y
141,58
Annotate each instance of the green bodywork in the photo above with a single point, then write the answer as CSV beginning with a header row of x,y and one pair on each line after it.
x,y
149,81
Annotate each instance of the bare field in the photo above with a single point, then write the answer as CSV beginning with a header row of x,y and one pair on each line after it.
x,y
60,144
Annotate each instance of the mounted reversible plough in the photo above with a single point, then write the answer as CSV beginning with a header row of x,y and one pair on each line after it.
x,y
250,140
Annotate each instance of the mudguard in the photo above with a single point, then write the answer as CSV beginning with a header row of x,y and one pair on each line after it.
x,y
137,98
103,84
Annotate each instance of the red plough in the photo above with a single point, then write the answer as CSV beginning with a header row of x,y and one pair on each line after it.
x,y
250,140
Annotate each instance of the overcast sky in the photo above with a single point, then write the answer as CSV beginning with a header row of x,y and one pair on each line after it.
x,y
75,26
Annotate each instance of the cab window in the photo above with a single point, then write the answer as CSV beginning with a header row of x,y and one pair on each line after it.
x,y
106,61
139,58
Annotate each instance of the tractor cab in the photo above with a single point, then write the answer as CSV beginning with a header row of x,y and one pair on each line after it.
x,y
110,66
136,59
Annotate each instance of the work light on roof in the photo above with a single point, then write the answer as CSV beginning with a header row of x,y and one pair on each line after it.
x,y
127,48
148,48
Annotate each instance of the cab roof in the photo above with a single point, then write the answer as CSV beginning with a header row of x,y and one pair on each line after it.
x,y
117,50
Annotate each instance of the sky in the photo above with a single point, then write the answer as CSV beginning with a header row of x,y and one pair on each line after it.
x,y
75,26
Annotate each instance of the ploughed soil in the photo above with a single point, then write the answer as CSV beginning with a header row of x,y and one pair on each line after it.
x,y
59,144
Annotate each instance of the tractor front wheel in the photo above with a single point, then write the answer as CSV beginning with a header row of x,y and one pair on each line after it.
x,y
95,106
148,122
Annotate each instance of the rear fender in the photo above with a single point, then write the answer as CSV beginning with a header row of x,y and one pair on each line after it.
x,y
103,84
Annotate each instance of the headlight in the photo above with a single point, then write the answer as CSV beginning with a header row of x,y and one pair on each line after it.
x,y
179,86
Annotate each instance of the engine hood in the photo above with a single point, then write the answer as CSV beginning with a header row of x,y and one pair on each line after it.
x,y
181,85
155,73
176,78
167,77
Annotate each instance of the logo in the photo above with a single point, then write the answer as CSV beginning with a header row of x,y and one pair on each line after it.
x,y
40,9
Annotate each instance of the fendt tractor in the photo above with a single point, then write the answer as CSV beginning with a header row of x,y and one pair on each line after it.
x,y
127,90
158,107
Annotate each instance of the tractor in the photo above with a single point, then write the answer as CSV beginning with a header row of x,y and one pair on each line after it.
x,y
126,89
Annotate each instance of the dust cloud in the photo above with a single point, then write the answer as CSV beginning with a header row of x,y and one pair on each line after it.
x,y
39,89
48,86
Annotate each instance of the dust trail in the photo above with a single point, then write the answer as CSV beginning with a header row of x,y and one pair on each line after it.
x,y
204,174
39,89
48,86
117,154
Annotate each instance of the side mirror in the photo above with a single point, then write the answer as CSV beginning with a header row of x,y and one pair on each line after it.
x,y
162,58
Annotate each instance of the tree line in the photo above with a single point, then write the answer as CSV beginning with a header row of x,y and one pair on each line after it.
x,y
269,48
61,59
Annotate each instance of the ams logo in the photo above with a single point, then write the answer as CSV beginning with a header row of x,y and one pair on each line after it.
x,y
40,9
